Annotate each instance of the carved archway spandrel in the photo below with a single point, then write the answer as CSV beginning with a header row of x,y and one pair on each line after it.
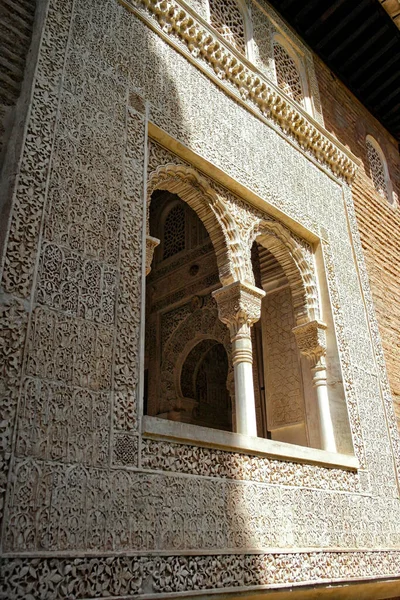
x,y
194,189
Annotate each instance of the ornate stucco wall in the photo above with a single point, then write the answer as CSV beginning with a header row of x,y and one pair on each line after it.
x,y
90,505
16,32
378,220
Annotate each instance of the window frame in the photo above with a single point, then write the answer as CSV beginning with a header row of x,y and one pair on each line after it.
x,y
153,427
195,435
298,58
390,200
247,28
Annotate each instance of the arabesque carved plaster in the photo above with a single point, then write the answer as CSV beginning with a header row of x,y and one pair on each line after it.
x,y
78,214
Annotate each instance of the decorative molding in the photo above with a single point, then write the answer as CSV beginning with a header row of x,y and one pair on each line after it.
x,y
132,576
196,191
179,24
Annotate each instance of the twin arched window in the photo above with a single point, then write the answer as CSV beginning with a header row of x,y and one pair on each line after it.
x,y
378,169
228,19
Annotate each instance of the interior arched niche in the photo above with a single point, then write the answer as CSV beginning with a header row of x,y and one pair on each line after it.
x,y
187,348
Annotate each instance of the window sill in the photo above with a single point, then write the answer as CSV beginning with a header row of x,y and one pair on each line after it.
x,y
162,429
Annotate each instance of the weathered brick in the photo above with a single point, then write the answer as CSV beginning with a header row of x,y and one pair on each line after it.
x,y
378,222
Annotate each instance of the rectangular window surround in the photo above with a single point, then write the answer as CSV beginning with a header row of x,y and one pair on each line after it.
x,y
194,435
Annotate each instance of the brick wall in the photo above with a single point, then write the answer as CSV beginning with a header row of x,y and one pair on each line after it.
x,y
16,24
378,222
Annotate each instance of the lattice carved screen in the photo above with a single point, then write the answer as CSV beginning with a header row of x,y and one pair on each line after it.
x,y
227,18
174,231
377,170
287,74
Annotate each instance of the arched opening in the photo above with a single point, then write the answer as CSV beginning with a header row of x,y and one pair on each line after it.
x,y
277,368
206,347
203,382
187,347
288,74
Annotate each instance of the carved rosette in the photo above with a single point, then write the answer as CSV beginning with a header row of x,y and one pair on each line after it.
x,y
311,340
151,245
239,306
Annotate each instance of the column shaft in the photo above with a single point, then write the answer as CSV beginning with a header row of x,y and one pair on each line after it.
x,y
246,422
311,341
239,306
325,419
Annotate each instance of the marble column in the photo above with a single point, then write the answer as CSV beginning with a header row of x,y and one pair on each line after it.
x,y
239,306
311,341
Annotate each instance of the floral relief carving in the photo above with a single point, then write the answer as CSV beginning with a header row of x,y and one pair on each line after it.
x,y
75,351
57,422
78,287
84,508
128,300
29,196
125,410
14,318
83,482
194,460
132,576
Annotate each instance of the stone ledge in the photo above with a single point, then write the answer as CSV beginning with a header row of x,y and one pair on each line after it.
x,y
155,428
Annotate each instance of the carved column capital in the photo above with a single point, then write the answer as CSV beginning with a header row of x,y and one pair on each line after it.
x,y
311,340
151,245
239,306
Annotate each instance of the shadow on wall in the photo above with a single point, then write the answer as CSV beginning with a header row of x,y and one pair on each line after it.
x,y
67,503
